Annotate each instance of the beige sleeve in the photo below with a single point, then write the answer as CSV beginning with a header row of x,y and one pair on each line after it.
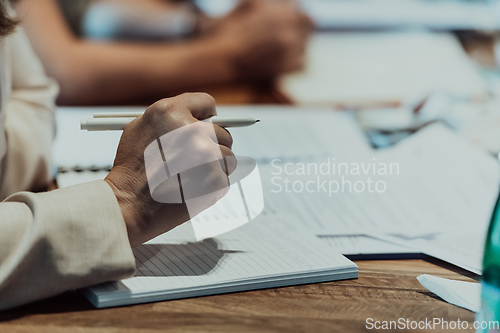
x,y
61,240
29,119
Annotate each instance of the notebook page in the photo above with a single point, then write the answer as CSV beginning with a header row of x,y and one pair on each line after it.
x,y
258,252
254,250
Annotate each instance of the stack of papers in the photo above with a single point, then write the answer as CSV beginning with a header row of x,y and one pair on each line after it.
x,y
433,188
467,197
438,204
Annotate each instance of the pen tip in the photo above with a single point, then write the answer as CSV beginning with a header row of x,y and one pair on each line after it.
x,y
257,121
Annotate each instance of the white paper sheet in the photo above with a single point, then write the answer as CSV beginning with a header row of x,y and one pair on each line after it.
x,y
365,245
441,15
461,293
462,247
369,69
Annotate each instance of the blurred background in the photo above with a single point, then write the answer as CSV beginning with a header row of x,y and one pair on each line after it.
x,y
396,64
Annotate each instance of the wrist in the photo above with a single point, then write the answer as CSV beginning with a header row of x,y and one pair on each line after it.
x,y
223,55
125,201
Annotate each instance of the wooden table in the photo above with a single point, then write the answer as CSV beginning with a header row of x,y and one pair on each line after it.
x,y
258,92
385,290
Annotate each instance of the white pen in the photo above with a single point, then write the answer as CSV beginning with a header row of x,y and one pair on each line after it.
x,y
118,121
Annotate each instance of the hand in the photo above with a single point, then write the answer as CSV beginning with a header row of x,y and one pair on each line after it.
x,y
265,38
184,140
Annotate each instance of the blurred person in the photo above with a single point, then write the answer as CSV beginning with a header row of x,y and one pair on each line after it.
x,y
258,40
83,235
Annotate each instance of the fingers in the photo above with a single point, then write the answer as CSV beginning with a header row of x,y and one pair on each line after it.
x,y
225,141
307,23
246,5
201,105
229,162
294,59
169,114
295,28
223,136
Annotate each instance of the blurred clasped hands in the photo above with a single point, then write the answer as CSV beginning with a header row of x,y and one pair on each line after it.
x,y
263,38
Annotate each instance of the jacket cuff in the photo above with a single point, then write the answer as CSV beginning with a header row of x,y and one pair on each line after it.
x,y
78,238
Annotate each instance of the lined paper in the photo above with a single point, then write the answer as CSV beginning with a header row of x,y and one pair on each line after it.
x,y
439,187
260,254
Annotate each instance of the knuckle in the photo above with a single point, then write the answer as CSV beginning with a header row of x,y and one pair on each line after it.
x,y
184,96
159,108
206,99
165,104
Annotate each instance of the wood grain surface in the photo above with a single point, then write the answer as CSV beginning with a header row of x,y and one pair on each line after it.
x,y
385,290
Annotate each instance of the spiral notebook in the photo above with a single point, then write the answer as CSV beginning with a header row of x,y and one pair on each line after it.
x,y
261,254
